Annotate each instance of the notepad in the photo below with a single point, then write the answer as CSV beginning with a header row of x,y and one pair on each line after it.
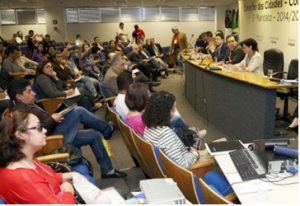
x,y
219,148
213,68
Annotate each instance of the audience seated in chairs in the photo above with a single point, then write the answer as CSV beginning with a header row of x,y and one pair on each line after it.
x,y
158,113
48,85
26,63
38,53
11,65
87,61
22,97
65,73
24,180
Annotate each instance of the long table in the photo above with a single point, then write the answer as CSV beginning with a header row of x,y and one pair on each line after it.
x,y
242,105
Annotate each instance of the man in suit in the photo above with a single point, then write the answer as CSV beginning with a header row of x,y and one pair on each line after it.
x,y
155,48
221,47
46,43
235,53
179,42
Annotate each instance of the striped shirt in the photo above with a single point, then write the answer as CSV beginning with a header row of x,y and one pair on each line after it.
x,y
167,140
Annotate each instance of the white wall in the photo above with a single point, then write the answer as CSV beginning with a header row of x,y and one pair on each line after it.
x,y
58,14
267,27
8,30
161,31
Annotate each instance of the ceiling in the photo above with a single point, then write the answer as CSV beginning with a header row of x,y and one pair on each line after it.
x,y
14,4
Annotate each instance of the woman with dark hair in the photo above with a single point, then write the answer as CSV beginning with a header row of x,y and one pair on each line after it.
x,y
87,61
253,61
23,179
48,85
158,113
37,53
136,100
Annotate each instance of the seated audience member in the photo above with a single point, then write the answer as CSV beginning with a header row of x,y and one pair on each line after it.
x,y
19,37
26,63
147,67
253,61
63,72
46,44
23,179
158,113
87,61
5,78
38,53
51,49
110,79
111,47
136,100
123,81
235,53
48,85
120,49
155,49
221,48
157,62
140,76
22,97
11,65
294,125
97,46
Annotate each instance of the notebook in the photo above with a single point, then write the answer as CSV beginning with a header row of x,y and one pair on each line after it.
x,y
224,147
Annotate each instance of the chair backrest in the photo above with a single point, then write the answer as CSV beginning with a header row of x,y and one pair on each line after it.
x,y
147,152
103,56
128,135
148,53
102,88
36,96
212,196
273,59
6,111
293,69
114,116
185,179
53,142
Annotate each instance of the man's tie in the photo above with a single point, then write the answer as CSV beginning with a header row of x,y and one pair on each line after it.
x,y
230,56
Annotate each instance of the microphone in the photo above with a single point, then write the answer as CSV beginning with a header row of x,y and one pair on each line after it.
x,y
189,44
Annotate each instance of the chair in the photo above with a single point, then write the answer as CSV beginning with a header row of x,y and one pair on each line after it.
x,y
49,104
128,50
187,181
24,49
147,151
128,136
105,43
6,111
273,59
107,100
285,93
211,195
115,117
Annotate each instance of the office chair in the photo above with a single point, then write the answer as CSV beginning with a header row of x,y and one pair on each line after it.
x,y
273,59
285,93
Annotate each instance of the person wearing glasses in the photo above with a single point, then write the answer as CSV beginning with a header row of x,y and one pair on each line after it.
x,y
23,179
22,97
235,53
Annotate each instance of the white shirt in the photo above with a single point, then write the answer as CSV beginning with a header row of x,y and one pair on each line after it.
x,y
124,37
120,106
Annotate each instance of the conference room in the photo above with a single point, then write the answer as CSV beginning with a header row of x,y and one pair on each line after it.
x,y
215,103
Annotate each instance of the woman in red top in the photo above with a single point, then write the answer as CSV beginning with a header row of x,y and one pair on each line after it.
x,y
23,179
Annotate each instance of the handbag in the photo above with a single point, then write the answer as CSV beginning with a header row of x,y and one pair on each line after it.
x,y
74,158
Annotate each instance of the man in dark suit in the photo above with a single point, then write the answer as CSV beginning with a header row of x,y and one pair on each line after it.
x,y
155,48
46,43
222,48
235,53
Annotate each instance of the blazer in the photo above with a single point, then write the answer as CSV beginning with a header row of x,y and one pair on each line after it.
x,y
237,56
151,49
220,52
183,44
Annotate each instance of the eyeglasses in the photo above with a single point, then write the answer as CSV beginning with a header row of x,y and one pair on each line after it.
x,y
39,127
48,66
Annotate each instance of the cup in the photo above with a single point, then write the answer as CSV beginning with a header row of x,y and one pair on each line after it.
x,y
229,68
270,73
262,190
